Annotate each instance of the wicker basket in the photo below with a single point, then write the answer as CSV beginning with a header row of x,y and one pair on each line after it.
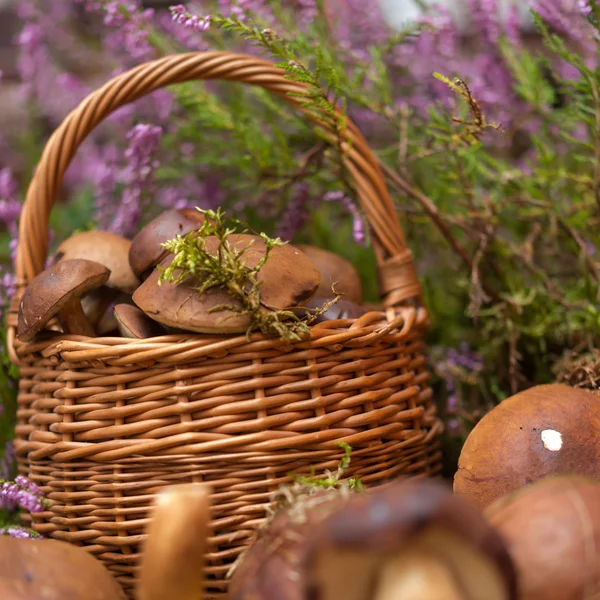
x,y
104,423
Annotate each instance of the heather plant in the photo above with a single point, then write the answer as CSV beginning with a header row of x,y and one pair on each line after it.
x,y
489,139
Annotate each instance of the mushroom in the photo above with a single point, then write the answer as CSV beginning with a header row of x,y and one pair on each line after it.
x,y
342,309
146,249
174,551
133,323
552,529
409,539
52,570
105,248
96,303
545,430
108,322
335,271
57,291
288,279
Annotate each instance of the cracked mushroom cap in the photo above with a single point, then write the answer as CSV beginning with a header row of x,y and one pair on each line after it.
x,y
52,290
545,430
105,248
146,250
410,539
288,278
335,270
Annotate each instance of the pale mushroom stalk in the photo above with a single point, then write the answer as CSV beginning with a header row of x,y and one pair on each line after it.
x,y
173,558
415,577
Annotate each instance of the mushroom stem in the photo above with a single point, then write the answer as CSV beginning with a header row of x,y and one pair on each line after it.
x,y
72,319
414,576
173,559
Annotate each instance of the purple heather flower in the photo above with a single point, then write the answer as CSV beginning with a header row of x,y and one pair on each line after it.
x,y
484,19
189,20
584,7
19,532
28,485
7,461
40,79
15,494
185,37
296,213
10,209
512,27
128,26
137,177
455,428
358,227
356,26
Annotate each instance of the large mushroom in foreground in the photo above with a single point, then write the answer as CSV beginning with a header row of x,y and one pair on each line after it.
x,y
43,569
413,540
545,430
552,530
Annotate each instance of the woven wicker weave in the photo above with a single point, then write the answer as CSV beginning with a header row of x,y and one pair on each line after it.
x,y
104,423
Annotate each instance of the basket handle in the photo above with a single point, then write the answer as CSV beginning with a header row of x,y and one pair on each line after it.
x,y
398,278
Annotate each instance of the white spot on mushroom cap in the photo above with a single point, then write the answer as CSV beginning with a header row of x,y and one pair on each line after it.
x,y
552,440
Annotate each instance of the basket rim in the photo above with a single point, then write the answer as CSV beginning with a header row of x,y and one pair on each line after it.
x,y
370,328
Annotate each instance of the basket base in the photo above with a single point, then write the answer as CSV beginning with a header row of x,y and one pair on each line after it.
x,y
105,507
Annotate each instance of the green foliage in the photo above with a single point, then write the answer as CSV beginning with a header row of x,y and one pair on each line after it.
x,y
332,480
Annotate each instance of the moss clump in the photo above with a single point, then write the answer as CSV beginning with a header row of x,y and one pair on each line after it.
x,y
226,269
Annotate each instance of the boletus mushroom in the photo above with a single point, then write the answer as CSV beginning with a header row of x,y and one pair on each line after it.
x,y
336,272
105,248
411,540
287,279
134,323
44,569
146,249
552,529
545,430
57,291
173,558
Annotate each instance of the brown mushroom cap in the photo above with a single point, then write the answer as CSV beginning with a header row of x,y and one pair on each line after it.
x,y
288,278
134,323
52,570
105,248
354,548
335,270
552,529
146,250
57,291
545,430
